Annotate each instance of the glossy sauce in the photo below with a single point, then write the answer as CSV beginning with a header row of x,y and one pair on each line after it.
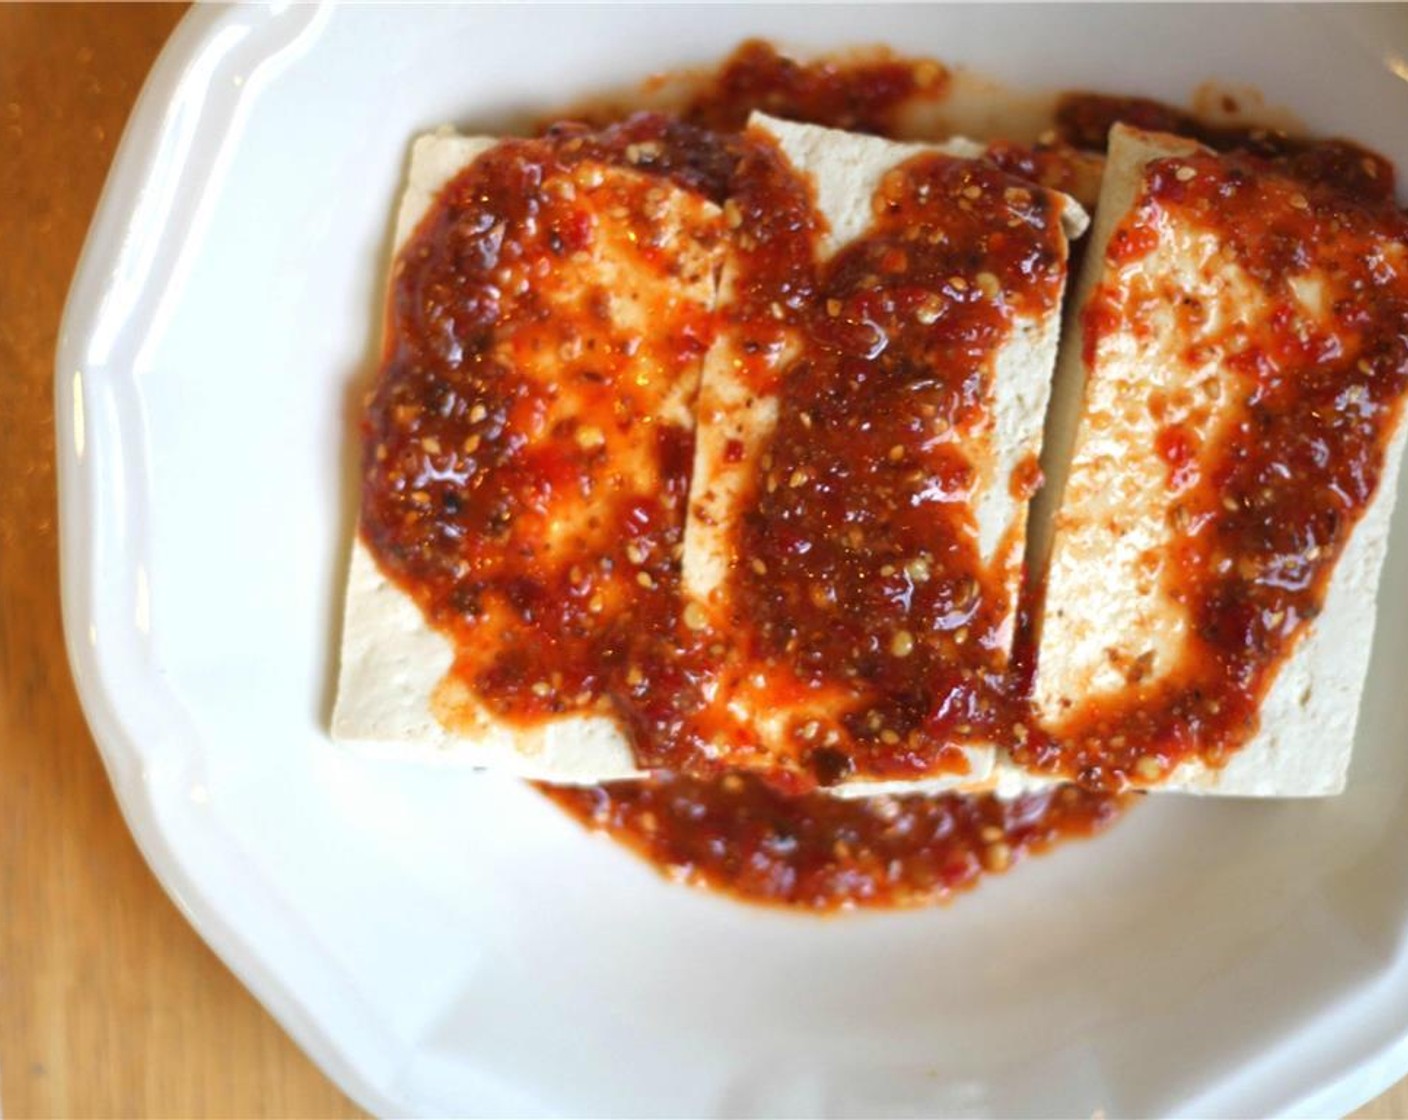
x,y
819,852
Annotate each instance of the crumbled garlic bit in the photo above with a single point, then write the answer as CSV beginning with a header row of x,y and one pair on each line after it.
x,y
990,834
1017,196
989,285
918,570
542,689
634,677
973,191
590,437
733,214
635,553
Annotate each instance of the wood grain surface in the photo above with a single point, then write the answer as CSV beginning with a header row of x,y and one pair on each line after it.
x,y
109,1003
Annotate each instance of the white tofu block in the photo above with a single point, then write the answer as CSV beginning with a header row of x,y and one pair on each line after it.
x,y
1109,539
396,696
846,169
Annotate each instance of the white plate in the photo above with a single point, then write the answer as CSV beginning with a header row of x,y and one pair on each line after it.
x,y
446,942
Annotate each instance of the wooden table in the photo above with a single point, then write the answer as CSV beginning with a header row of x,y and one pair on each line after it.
x,y
109,1003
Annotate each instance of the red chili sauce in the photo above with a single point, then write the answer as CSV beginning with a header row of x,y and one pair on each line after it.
x,y
820,852
598,627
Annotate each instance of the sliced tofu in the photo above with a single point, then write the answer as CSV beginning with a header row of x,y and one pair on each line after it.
x,y
396,693
738,410
1164,362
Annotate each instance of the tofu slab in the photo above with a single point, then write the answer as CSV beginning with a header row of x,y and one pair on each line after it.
x,y
1108,505
735,420
395,686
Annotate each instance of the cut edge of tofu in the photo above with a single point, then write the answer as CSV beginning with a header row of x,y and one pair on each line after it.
x,y
1309,714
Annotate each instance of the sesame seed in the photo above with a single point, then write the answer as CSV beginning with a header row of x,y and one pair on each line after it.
x,y
917,570
759,567
471,444
694,616
643,578
897,453
997,857
542,688
431,445
927,73
1148,768
1184,174
732,214
902,644
798,478
833,307
889,737
989,285
973,191
590,437
958,284
634,677
1300,202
